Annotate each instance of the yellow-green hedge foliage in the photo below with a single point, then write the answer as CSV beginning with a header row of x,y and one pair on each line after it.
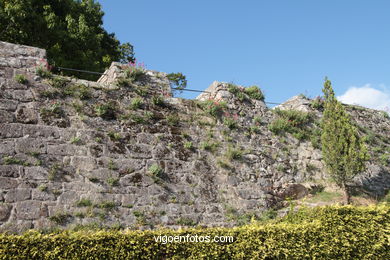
x,y
339,232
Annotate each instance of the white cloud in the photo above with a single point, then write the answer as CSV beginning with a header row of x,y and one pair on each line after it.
x,y
367,96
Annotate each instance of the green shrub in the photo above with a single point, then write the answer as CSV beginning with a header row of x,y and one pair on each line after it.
x,y
385,159
60,218
148,115
43,72
20,78
84,203
75,140
188,145
53,110
136,103
113,181
173,120
254,92
7,160
54,172
158,101
213,108
321,233
59,82
279,126
386,114
257,120
209,146
42,187
109,205
236,91
134,74
233,153
317,103
106,110
156,170
291,121
230,123
114,136
78,91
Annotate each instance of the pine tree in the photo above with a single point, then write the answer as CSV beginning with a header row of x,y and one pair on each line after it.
x,y
344,152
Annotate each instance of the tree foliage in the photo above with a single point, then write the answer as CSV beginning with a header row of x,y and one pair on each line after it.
x,y
344,152
71,31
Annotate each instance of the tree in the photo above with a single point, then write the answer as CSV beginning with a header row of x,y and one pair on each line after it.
x,y
71,31
344,152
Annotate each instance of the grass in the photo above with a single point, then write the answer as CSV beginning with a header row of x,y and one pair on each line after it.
x,y
134,73
42,187
158,101
233,153
254,92
75,140
325,196
113,181
188,145
291,121
209,146
136,103
230,123
7,160
60,218
212,107
20,78
106,205
43,72
53,110
156,170
54,172
173,120
78,91
114,136
84,203
106,110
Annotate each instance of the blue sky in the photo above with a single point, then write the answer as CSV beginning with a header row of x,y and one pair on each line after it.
x,y
285,47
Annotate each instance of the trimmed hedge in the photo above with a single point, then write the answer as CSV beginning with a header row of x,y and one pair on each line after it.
x,y
337,232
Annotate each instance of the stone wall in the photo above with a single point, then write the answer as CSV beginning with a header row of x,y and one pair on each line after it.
x,y
75,152
17,59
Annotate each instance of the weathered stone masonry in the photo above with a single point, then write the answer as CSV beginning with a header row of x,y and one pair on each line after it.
x,y
66,158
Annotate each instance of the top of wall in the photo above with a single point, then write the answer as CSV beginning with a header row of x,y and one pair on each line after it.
x,y
15,56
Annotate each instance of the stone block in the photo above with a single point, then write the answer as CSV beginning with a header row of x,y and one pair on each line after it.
x,y
8,104
132,179
83,163
69,197
35,173
35,131
19,95
11,130
5,211
7,148
18,195
6,117
42,195
8,183
66,149
26,115
30,145
28,210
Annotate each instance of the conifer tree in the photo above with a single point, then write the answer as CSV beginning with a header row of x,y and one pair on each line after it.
x,y
344,152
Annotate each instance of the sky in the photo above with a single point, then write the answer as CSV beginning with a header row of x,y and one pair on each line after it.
x,y
286,47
